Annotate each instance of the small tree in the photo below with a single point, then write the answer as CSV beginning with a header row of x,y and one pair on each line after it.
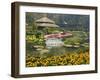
x,y
34,27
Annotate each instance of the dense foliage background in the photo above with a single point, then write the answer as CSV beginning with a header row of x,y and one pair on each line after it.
x,y
66,21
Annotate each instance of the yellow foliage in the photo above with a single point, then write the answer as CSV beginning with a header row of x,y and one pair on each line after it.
x,y
64,59
30,37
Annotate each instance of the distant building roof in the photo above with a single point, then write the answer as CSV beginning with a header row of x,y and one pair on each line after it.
x,y
47,25
46,22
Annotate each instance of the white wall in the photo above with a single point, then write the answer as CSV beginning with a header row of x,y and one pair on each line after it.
x,y
5,40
